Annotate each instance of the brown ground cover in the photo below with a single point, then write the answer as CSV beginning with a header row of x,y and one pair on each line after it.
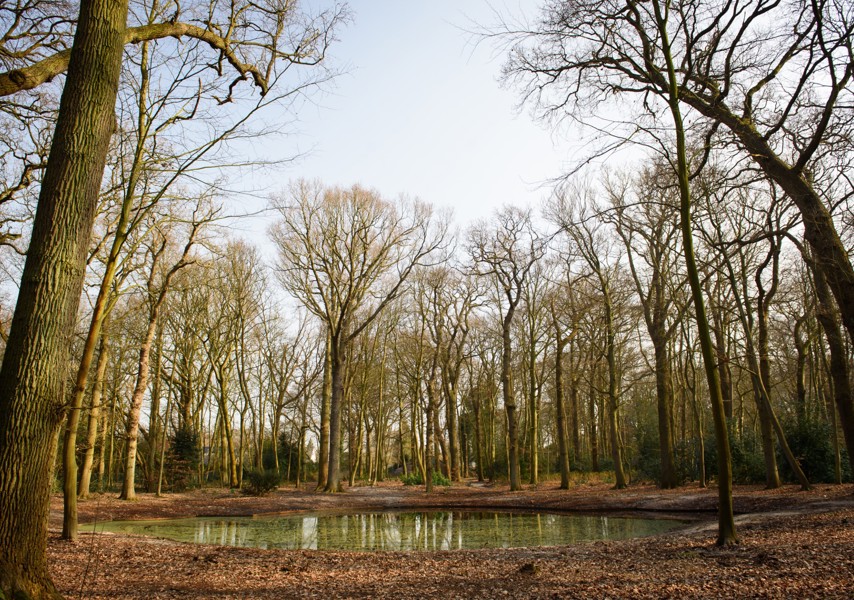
x,y
793,545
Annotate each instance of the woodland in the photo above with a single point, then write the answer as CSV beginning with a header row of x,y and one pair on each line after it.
x,y
669,333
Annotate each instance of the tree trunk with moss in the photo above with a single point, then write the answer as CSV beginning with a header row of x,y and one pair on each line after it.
x,y
839,369
726,521
32,399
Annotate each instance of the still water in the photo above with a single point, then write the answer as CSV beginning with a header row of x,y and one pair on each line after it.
x,y
394,531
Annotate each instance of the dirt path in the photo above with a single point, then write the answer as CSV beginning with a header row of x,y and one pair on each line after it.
x,y
794,544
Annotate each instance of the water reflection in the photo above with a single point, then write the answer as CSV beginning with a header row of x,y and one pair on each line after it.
x,y
393,531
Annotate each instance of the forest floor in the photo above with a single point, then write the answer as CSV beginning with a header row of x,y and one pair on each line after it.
x,y
793,544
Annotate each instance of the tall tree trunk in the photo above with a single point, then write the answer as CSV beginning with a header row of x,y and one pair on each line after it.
x,y
370,455
107,424
94,418
726,522
99,312
37,353
760,379
493,449
574,405
156,299
163,439
325,399
241,454
441,440
333,483
128,487
429,453
613,400
563,451
401,421
465,437
839,373
769,455
415,431
591,418
301,448
668,478
355,446
800,372
219,438
274,442
262,407
724,372
533,413
229,457
698,422
772,475
478,432
453,426
154,419
510,403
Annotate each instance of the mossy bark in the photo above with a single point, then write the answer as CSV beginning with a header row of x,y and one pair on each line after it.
x,y
726,522
32,399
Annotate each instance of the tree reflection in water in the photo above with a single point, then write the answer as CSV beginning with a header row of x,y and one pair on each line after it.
x,y
398,531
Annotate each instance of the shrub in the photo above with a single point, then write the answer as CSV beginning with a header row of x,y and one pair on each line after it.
x,y
748,464
289,454
687,455
440,479
260,483
812,443
415,479
411,479
646,463
183,458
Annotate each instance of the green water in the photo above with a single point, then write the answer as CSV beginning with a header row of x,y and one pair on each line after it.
x,y
394,531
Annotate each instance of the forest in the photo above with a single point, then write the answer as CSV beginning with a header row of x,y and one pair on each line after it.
x,y
681,322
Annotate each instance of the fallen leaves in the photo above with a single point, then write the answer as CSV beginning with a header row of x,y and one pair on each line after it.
x,y
794,544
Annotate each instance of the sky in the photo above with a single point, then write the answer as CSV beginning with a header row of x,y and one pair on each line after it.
x,y
419,111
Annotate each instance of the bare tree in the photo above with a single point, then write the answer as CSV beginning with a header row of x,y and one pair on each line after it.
x,y
643,221
31,379
34,364
505,253
432,297
583,52
463,302
534,330
569,209
32,30
283,354
565,316
769,222
780,93
346,254
157,288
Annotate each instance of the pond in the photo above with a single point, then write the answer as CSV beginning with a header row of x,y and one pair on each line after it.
x,y
397,531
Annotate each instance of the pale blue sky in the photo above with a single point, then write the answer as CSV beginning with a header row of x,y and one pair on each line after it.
x,y
419,111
